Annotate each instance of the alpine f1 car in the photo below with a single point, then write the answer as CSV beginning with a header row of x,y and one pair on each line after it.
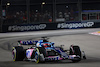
x,y
43,50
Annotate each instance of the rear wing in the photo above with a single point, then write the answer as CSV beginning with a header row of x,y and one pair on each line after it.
x,y
27,42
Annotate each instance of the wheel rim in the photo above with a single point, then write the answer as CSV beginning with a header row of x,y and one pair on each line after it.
x,y
37,57
14,54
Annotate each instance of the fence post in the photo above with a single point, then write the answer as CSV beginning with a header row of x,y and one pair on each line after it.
x,y
28,10
79,5
54,10
1,20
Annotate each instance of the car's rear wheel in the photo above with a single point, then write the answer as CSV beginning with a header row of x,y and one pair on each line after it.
x,y
18,53
37,59
40,54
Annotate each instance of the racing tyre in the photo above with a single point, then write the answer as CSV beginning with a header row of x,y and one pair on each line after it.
x,y
42,50
75,50
40,55
18,53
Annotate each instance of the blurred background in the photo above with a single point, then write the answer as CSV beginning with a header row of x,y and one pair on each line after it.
x,y
48,11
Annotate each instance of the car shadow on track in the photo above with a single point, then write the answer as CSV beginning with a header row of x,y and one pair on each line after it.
x,y
18,63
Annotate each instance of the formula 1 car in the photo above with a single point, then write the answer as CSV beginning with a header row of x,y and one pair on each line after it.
x,y
43,50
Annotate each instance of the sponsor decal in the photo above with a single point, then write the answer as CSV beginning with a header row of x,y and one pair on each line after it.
x,y
75,25
28,42
49,26
29,53
53,58
26,28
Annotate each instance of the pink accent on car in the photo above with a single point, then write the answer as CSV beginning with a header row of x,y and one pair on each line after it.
x,y
29,52
60,58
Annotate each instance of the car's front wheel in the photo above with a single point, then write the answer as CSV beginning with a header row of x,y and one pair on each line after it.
x,y
75,50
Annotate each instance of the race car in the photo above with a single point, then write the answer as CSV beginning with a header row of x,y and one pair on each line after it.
x,y
43,50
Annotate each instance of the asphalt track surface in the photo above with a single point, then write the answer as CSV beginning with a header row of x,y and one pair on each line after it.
x,y
87,42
